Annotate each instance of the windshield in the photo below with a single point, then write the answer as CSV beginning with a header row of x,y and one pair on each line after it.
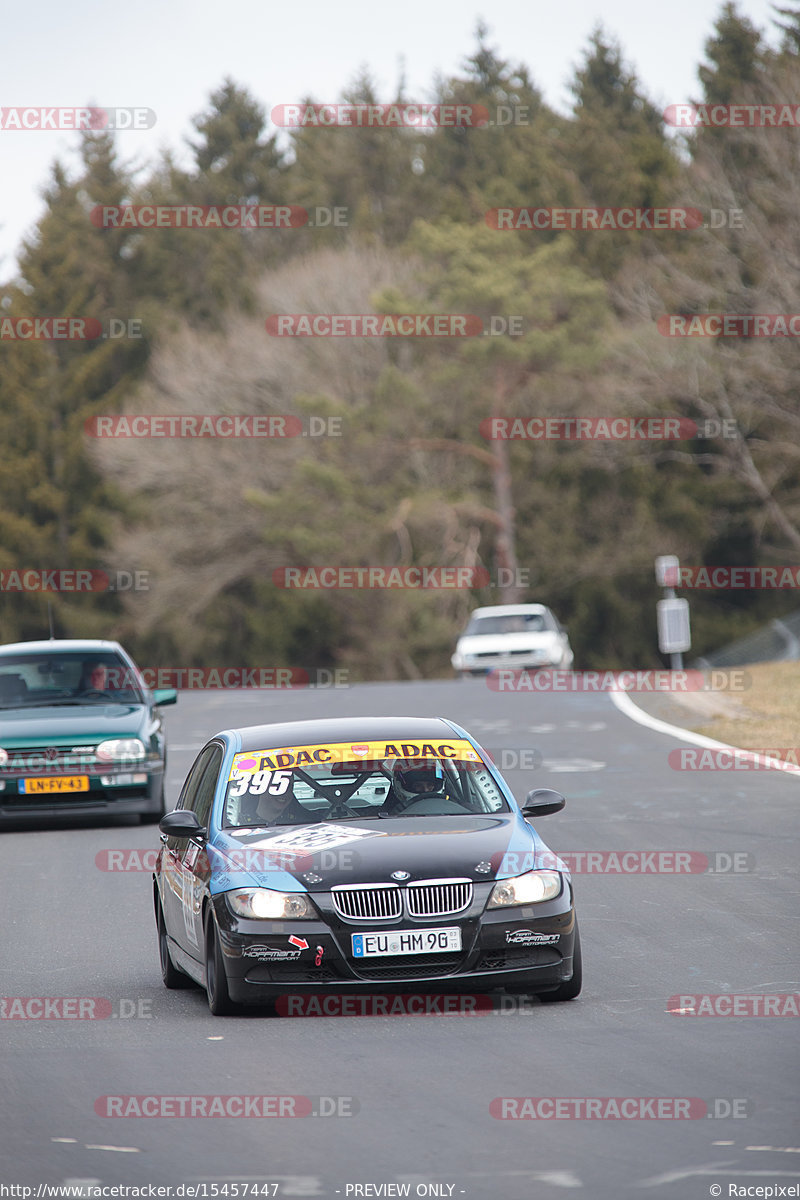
x,y
303,785
509,623
66,678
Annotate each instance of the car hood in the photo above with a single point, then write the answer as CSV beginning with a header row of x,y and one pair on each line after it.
x,y
369,851
62,725
504,643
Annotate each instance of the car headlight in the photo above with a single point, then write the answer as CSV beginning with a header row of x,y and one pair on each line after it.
x,y
3,757
265,904
530,888
121,750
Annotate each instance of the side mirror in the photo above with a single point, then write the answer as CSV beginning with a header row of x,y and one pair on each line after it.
x,y
182,823
541,802
165,696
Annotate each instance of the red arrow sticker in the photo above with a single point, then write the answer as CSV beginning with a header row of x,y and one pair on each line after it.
x,y
301,943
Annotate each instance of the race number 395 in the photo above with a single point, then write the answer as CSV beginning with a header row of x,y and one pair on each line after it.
x,y
274,783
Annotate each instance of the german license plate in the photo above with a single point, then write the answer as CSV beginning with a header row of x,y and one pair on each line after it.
x,y
406,941
61,783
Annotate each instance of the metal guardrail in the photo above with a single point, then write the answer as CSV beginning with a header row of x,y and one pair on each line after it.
x,y
777,642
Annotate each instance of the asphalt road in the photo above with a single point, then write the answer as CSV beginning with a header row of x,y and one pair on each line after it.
x,y
423,1085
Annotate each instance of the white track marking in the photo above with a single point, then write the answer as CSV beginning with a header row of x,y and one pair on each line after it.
x,y
623,702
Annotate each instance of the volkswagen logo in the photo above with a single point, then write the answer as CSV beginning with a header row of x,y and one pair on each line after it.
x,y
399,875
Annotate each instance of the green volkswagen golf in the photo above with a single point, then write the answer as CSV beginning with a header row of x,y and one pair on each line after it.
x,y
80,732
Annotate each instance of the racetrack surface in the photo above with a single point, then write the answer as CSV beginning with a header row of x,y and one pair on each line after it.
x,y
423,1085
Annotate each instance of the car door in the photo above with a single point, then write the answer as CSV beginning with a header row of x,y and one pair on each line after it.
x,y
194,865
174,852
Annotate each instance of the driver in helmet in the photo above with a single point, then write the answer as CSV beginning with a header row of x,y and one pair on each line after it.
x,y
269,809
410,781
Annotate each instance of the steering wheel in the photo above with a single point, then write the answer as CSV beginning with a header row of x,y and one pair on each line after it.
x,y
96,692
425,796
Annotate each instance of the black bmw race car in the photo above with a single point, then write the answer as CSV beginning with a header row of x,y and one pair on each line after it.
x,y
359,854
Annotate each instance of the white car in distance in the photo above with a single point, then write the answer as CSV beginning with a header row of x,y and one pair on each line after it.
x,y
520,636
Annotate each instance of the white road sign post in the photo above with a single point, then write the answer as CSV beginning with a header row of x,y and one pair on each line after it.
x,y
672,614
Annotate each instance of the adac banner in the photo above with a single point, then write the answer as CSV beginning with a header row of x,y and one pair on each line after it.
x,y
368,752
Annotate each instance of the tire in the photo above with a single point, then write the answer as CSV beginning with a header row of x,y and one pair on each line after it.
x,y
173,979
219,1000
152,818
572,987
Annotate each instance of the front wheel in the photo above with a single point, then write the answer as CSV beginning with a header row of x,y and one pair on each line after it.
x,y
572,987
219,1000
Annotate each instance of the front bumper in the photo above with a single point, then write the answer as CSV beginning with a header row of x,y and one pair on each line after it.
x,y
119,789
530,947
474,665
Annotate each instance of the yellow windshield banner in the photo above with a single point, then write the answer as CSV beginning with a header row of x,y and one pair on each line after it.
x,y
368,752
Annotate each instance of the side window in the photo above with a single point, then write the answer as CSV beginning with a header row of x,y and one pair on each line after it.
x,y
207,786
187,796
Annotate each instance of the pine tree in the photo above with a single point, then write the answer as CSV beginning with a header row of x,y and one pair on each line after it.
x,y
517,159
369,171
57,506
735,58
618,150
735,75
199,272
